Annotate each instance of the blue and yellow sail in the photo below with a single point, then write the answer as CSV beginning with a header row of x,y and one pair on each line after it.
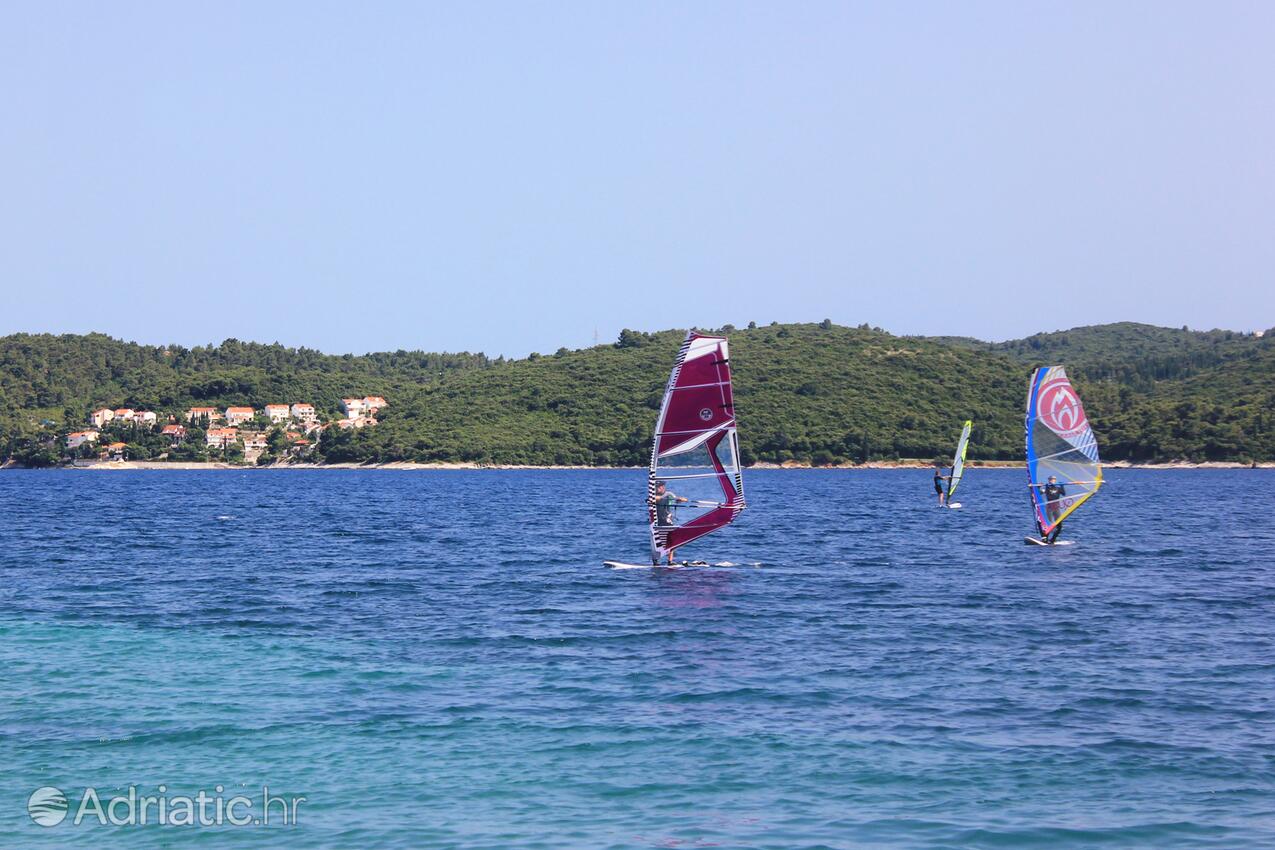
x,y
1060,444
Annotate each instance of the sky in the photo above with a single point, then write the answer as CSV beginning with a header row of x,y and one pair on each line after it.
x,y
521,176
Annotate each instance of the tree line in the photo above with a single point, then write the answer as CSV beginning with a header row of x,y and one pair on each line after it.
x,y
814,393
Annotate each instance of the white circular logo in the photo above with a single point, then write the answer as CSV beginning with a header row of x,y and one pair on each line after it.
x,y
706,414
47,806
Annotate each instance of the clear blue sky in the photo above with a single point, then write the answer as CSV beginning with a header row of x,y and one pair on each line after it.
x,y
508,177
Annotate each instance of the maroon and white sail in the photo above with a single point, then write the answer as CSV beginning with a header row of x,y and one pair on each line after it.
x,y
696,451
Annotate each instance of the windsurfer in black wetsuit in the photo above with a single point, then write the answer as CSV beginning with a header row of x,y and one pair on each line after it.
x,y
665,499
939,486
1054,493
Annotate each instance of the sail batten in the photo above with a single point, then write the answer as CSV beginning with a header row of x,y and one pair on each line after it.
x,y
697,386
696,445
1060,444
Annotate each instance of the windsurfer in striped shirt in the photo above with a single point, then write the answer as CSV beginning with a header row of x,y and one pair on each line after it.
x,y
665,499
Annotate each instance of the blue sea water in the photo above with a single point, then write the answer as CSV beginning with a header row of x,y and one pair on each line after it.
x,y
438,659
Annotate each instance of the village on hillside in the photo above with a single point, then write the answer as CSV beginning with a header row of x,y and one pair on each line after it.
x,y
273,433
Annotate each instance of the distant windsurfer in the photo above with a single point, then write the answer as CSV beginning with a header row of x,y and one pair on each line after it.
x,y
665,499
939,486
1054,493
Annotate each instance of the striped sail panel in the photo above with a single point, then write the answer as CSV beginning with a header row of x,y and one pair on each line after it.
x,y
695,452
958,463
1060,443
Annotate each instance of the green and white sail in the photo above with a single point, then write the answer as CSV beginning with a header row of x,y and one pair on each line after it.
x,y
958,463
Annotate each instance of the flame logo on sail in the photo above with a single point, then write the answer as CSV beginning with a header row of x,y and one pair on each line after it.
x,y
1059,408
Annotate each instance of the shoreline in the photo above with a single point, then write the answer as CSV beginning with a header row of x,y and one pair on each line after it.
x,y
132,465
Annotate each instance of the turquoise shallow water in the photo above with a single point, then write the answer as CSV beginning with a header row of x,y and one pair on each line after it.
x,y
439,660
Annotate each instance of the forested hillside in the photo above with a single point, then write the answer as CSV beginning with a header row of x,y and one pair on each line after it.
x,y
61,378
803,392
818,393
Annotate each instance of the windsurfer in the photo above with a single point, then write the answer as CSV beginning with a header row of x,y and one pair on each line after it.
x,y
1054,493
665,499
939,486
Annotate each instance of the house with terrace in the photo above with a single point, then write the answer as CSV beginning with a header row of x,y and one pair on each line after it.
x,y
239,415
78,438
221,437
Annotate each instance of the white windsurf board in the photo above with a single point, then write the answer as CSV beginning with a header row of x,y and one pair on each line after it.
x,y
680,565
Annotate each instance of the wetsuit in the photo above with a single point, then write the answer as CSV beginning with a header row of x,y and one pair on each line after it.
x,y
1054,494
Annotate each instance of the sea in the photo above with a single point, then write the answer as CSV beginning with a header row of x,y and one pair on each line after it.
x,y
439,659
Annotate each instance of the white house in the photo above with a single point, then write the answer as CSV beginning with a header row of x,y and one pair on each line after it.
x,y
208,413
304,413
237,415
176,433
221,437
254,442
78,438
357,422
373,403
124,413
144,417
352,407
101,417
277,412
116,451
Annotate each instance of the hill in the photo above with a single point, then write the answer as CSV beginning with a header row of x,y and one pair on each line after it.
x,y
1135,354
820,393
803,392
60,378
